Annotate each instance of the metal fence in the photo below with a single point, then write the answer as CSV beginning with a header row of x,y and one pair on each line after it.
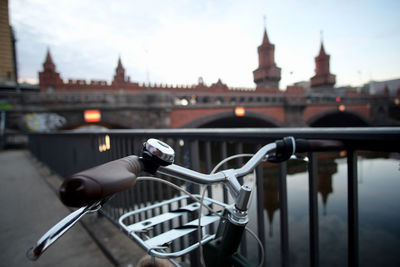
x,y
200,149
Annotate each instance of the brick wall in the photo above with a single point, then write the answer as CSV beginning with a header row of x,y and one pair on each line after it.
x,y
182,117
311,111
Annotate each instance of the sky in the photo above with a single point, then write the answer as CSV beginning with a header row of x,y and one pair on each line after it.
x,y
176,42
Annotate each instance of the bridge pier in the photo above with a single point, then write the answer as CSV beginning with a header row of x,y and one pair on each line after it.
x,y
294,115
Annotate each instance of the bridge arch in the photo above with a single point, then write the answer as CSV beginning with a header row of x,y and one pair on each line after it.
x,y
228,120
336,118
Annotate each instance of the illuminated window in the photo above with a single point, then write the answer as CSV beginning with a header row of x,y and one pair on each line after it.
x,y
240,111
92,115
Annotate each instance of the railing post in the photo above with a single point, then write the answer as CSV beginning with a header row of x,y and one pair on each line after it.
x,y
192,159
352,211
224,155
313,208
208,163
208,166
238,164
2,129
284,214
260,209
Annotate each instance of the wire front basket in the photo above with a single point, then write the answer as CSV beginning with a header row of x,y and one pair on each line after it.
x,y
169,229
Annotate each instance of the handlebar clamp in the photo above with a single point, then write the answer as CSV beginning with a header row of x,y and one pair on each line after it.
x,y
285,148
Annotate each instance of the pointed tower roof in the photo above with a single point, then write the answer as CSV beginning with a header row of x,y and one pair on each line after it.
x,y
119,63
265,38
48,57
322,50
48,64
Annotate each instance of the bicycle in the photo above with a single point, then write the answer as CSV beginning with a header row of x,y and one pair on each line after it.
x,y
91,189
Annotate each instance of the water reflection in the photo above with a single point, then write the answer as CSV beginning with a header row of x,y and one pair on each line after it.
x,y
326,169
379,206
271,200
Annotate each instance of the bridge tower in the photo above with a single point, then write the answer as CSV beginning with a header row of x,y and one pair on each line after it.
x,y
49,79
267,75
323,79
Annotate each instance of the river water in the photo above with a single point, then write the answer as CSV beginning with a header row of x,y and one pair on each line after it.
x,y
379,212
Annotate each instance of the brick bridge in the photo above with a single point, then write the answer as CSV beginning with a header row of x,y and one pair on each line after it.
x,y
53,111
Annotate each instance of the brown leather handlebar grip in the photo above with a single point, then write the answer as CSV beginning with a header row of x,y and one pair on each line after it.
x,y
95,184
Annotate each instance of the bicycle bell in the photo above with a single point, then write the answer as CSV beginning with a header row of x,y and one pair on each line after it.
x,y
160,150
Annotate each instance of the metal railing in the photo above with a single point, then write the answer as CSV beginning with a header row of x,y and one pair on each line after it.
x,y
200,149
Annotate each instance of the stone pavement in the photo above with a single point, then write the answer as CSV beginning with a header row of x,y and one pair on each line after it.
x,y
29,206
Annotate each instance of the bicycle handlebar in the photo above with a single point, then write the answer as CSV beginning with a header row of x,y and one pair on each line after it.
x,y
89,186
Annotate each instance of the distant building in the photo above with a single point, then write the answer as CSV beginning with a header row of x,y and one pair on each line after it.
x,y
390,87
8,59
306,85
7,49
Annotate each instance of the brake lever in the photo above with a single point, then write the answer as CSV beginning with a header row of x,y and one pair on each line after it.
x,y
59,229
302,158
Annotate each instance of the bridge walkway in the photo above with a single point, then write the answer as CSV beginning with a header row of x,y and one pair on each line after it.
x,y
30,206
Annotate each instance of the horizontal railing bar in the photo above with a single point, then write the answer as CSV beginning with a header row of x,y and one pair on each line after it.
x,y
369,138
362,133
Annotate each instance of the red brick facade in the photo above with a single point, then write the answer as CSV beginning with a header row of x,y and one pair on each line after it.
x,y
314,110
